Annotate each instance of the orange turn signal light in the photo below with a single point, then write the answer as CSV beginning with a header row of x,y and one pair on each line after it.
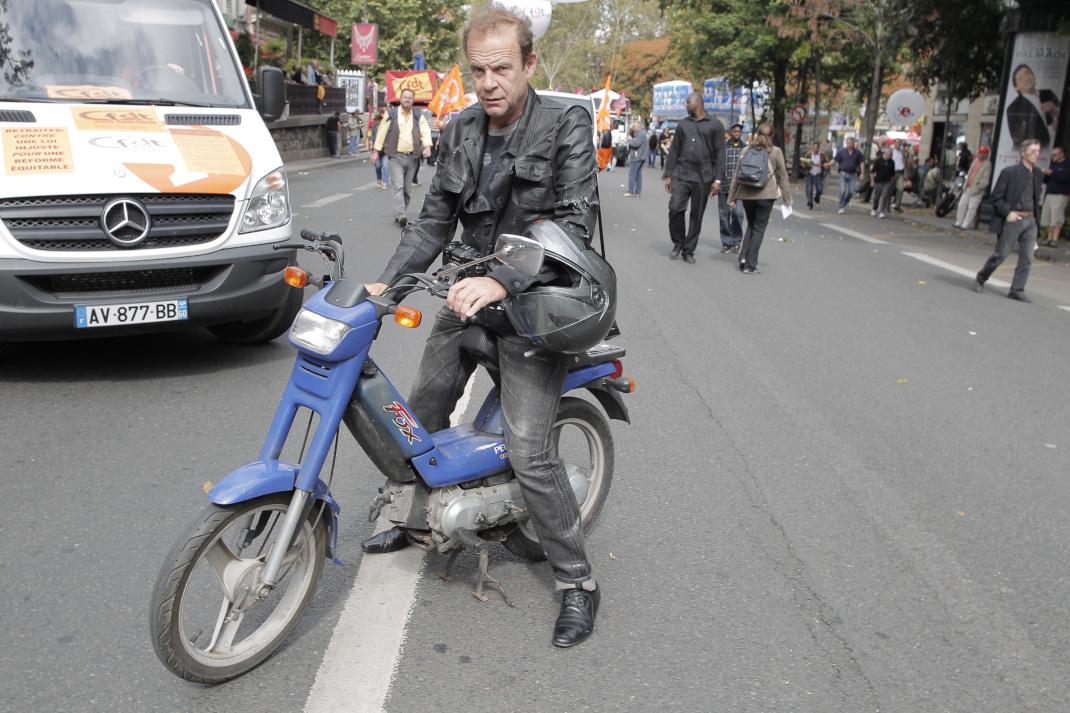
x,y
408,317
295,276
631,386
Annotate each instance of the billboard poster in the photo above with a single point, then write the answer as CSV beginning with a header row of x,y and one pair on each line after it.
x,y
365,43
423,84
670,99
1033,96
722,99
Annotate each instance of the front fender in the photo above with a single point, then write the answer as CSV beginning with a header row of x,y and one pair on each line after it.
x,y
260,478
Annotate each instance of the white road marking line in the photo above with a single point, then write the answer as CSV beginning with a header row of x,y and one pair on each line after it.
x,y
799,214
955,268
327,201
359,665
854,234
1064,307
367,186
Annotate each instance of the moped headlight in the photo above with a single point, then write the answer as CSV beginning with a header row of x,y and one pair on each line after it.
x,y
318,333
269,204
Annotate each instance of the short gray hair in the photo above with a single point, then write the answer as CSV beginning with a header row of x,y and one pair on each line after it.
x,y
1027,144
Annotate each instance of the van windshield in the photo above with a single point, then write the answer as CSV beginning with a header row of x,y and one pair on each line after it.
x,y
117,51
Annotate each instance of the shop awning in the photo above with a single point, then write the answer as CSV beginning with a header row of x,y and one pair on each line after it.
x,y
298,14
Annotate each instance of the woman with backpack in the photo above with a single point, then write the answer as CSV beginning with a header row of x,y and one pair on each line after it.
x,y
759,175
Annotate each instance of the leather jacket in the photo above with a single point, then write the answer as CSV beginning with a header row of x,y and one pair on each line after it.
x,y
550,174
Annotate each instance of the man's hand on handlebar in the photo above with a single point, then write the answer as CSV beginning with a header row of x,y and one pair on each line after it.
x,y
376,288
472,294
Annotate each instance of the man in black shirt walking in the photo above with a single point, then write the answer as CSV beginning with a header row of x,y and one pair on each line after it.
x,y
693,169
1015,200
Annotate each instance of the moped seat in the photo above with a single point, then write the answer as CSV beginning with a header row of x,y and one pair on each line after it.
x,y
481,343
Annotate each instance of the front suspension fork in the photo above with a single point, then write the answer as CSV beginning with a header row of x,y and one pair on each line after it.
x,y
294,514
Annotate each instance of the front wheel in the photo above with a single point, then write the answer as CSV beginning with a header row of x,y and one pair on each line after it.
x,y
583,442
263,329
207,621
946,205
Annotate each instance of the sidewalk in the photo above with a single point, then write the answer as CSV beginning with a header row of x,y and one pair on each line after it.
x,y
926,217
313,164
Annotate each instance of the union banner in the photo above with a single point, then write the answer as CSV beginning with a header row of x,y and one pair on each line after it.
x,y
423,83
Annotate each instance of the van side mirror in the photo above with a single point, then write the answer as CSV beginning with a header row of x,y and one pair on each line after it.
x,y
271,92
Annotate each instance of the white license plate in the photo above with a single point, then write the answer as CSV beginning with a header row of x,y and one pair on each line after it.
x,y
133,313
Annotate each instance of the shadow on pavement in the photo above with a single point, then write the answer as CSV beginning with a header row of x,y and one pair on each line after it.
x,y
132,358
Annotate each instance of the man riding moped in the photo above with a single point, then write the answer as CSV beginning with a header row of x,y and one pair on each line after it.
x,y
506,164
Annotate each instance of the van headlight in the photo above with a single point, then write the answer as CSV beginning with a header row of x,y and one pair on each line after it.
x,y
318,333
269,204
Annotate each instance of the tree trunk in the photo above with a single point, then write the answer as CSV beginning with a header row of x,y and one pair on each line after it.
x,y
817,96
874,100
943,153
780,79
804,80
753,119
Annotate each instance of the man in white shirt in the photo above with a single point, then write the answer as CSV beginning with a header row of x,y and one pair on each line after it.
x,y
403,141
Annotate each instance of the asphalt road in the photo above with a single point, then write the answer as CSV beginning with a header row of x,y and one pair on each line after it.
x,y
844,489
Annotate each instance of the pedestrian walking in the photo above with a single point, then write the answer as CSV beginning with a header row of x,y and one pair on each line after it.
x,y
758,194
652,145
731,219
965,158
664,142
849,165
354,127
1057,179
693,168
382,170
815,164
332,134
404,136
637,154
900,161
1015,201
882,179
976,184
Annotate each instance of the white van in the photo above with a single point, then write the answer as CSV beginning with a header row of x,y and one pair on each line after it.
x,y
140,189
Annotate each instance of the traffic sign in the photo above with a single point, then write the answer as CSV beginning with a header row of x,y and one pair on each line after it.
x,y
798,114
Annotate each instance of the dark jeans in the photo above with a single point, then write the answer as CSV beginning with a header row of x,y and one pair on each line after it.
x,y
731,220
1024,232
757,219
815,186
882,196
332,142
530,394
682,192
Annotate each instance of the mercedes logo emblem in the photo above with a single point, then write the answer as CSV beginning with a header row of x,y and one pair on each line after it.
x,y
125,222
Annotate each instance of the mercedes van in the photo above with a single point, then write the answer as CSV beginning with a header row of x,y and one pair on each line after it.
x,y
140,189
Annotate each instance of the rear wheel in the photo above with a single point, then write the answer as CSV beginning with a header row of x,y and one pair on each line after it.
x,y
264,329
946,205
584,443
206,631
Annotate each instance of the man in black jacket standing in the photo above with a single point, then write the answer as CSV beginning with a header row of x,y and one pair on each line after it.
x,y
1016,201
505,163
693,170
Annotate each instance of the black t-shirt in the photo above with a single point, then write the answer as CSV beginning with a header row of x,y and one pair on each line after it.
x,y
492,157
332,123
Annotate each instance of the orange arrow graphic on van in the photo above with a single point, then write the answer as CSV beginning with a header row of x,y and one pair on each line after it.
x,y
226,162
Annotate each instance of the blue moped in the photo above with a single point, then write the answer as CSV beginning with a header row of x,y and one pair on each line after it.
x,y
270,524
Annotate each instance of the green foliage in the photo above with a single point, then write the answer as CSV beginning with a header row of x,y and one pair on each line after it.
x,y
400,23
960,46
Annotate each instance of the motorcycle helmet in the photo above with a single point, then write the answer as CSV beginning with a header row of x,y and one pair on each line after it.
x,y
576,311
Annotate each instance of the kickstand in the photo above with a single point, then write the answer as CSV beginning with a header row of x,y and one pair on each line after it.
x,y
470,539
444,575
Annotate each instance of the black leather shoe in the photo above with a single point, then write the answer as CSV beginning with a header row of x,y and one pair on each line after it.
x,y
689,259
676,250
1018,295
390,540
978,286
576,621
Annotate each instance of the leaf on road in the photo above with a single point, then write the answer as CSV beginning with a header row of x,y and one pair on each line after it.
x,y
900,381
612,556
207,486
1049,445
962,514
922,282
973,334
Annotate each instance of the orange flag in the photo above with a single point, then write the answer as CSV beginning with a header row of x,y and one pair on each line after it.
x,y
450,94
602,118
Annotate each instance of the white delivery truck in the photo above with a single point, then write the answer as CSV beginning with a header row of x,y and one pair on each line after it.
x,y
140,188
